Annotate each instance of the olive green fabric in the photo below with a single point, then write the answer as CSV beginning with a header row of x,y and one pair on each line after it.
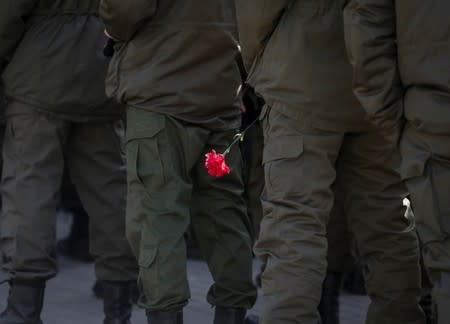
x,y
178,60
426,170
301,164
400,52
340,243
34,149
169,189
51,57
296,56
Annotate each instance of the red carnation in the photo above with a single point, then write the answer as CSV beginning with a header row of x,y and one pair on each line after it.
x,y
215,162
216,165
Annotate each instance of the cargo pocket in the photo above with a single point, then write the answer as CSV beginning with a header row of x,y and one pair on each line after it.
x,y
148,274
144,162
281,162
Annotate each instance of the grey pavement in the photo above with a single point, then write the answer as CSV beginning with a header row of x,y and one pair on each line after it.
x,y
69,299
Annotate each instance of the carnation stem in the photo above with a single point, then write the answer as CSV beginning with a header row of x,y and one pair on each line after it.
x,y
239,137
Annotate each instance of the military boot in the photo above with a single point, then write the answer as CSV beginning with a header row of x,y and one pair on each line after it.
x,y
224,315
25,302
117,304
329,304
165,317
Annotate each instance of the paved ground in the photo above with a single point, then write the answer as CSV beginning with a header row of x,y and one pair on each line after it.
x,y
69,299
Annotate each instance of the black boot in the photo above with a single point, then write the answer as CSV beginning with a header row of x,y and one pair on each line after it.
x,y
117,302
25,302
329,304
223,315
165,317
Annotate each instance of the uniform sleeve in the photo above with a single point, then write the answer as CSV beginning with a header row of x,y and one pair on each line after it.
x,y
123,18
257,19
370,32
12,26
